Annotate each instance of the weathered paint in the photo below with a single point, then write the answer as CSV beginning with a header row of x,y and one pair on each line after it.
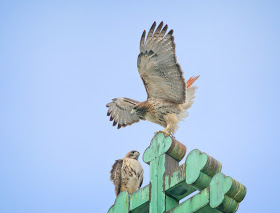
x,y
200,168
175,177
226,193
154,199
195,203
177,150
161,144
121,204
175,183
160,163
159,201
170,203
170,182
139,201
199,203
169,164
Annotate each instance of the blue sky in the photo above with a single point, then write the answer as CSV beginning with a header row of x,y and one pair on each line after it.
x,y
62,61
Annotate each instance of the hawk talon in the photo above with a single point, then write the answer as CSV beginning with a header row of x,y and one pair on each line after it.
x,y
169,97
164,133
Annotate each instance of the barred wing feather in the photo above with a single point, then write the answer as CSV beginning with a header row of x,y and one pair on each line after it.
x,y
157,65
119,111
115,175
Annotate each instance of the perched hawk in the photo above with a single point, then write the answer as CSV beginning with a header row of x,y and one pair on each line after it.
x,y
127,173
169,96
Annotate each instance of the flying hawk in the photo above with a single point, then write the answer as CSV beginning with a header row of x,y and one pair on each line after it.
x,y
169,96
127,173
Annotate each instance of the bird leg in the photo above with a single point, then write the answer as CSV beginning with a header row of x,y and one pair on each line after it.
x,y
164,131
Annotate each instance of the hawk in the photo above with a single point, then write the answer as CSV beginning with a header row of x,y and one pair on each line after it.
x,y
168,95
127,173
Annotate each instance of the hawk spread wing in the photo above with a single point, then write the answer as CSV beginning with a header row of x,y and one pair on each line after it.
x,y
169,96
119,111
157,65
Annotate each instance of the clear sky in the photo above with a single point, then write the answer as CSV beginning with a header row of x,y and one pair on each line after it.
x,y
62,61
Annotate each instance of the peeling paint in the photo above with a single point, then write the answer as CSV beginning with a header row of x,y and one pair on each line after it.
x,y
170,182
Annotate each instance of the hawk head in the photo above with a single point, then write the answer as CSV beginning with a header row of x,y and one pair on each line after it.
x,y
133,155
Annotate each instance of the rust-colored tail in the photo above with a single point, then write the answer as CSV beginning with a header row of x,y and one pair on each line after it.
x,y
191,80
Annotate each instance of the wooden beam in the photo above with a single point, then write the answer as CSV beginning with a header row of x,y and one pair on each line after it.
x,y
162,155
226,193
175,183
197,203
170,182
200,168
121,204
139,201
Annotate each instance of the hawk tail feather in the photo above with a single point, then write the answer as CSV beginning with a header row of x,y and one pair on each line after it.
x,y
190,94
191,80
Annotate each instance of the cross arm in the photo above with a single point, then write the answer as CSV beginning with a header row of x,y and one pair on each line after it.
x,y
139,201
175,183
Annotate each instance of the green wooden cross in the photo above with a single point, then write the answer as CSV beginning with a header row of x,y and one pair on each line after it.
x,y
170,183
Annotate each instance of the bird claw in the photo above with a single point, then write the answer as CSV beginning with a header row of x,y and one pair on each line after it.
x,y
164,133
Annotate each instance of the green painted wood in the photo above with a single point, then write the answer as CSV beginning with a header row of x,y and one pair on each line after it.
x,y
159,201
160,189
200,168
175,183
208,209
170,182
198,203
163,144
139,201
169,164
170,203
177,150
175,177
226,193
160,163
121,204
159,145
154,199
